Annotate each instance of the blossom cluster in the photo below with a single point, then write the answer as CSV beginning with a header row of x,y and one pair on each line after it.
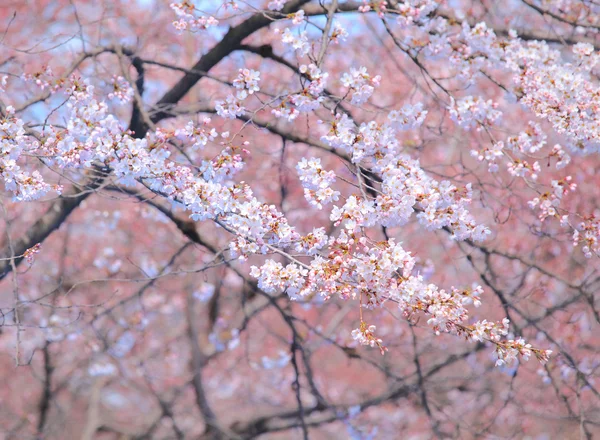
x,y
412,12
247,82
483,330
317,182
93,136
393,186
276,5
360,84
509,351
308,100
366,336
380,272
490,154
312,242
185,10
560,92
588,235
404,183
43,78
506,351
121,89
30,253
548,202
408,117
232,107
200,135
474,112
14,142
273,277
298,41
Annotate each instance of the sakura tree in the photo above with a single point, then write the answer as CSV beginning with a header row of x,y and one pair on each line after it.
x,y
300,219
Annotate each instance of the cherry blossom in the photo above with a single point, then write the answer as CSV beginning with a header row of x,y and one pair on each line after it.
x,y
360,83
203,191
299,41
474,112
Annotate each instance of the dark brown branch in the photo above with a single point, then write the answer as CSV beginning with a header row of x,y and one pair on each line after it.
x,y
230,42
50,221
47,390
